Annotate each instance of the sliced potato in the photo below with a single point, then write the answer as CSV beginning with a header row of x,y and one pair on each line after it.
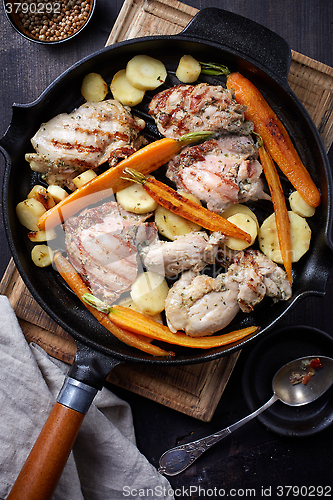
x,y
83,178
135,199
123,91
149,292
57,193
40,193
38,236
248,224
240,208
128,302
172,225
300,237
145,73
94,88
42,255
188,70
28,213
300,206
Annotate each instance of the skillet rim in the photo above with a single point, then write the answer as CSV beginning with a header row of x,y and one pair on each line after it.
x,y
207,356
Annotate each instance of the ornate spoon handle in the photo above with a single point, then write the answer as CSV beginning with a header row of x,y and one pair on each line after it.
x,y
177,459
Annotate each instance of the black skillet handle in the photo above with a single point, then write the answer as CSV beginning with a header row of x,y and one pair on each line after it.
x,y
42,470
244,37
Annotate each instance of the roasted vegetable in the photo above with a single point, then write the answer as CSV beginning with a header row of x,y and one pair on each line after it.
x,y
280,209
178,204
138,323
145,73
299,206
188,70
149,291
94,88
29,212
42,255
300,237
247,224
275,137
123,91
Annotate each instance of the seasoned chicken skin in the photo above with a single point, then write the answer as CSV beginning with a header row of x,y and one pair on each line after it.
x,y
102,246
201,305
192,108
192,251
95,133
221,171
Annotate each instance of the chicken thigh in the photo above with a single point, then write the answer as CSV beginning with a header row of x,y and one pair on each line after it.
x,y
192,108
201,305
102,246
95,133
221,172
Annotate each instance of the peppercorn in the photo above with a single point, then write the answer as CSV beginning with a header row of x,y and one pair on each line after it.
x,y
52,21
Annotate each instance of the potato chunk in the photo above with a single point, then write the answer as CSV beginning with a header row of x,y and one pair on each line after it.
x,y
300,237
41,194
248,224
240,208
145,72
128,302
135,199
85,177
149,292
42,255
188,70
123,91
172,225
28,213
94,88
39,236
300,206
57,192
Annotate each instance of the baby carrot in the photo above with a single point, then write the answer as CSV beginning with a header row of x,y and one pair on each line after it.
x,y
75,282
280,209
178,204
275,137
145,160
136,322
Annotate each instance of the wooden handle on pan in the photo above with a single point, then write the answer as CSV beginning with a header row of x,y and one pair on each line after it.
x,y
41,472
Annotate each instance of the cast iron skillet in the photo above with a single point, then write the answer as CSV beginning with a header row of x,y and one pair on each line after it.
x,y
213,35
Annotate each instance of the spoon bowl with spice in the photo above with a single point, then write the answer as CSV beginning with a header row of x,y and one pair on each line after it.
x,y
49,21
297,383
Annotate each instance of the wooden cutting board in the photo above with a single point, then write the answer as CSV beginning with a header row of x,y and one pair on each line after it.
x,y
195,389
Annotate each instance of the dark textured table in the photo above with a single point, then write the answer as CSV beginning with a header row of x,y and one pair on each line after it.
x,y
254,461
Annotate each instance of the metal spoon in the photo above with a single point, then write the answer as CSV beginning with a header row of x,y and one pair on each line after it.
x,y
177,459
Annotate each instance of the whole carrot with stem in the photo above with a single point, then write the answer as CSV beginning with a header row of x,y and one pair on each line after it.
x,y
145,160
136,322
75,282
178,204
275,137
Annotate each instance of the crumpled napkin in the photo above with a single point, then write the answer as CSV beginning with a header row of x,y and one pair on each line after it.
x,y
105,463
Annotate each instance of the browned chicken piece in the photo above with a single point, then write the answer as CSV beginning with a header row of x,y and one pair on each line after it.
x,y
201,305
102,246
191,108
95,133
193,250
221,171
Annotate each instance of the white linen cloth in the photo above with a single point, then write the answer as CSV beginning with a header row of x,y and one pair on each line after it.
x,y
105,463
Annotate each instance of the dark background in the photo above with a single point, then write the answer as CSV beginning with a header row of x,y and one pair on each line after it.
x,y
254,457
